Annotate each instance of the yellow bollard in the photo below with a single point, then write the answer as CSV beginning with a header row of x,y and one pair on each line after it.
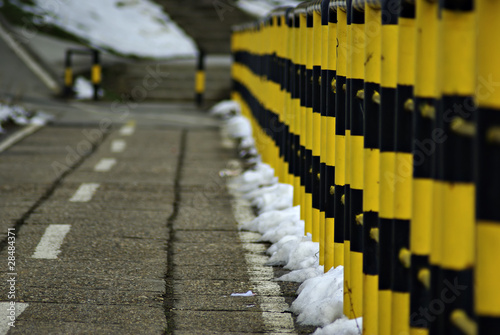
x,y
487,295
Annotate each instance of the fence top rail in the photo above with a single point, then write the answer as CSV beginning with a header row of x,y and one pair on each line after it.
x,y
304,8
307,8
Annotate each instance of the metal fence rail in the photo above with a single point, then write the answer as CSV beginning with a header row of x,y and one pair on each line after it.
x,y
385,117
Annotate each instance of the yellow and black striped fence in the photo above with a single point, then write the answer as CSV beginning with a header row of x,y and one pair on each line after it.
x,y
385,117
95,72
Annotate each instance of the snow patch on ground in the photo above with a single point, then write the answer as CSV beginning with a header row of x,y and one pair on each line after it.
x,y
18,115
129,27
320,296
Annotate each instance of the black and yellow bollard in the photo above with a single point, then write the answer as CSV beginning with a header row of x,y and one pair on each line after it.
x,y
296,112
309,46
356,97
347,193
487,167
68,76
340,135
455,114
328,84
318,229
371,103
96,75
401,257
388,82
303,118
323,9
425,92
287,86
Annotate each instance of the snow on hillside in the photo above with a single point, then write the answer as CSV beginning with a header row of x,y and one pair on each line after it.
x,y
129,27
261,8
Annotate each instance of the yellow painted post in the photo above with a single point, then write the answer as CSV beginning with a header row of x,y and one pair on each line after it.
x,y
309,45
296,108
347,171
303,173
287,84
455,115
199,86
373,27
487,294
388,82
282,38
322,85
316,46
425,92
404,171
340,134
355,199
329,89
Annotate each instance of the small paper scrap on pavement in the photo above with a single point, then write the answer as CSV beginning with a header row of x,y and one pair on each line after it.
x,y
248,294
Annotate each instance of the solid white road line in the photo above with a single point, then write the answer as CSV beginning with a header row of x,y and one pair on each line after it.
x,y
19,135
5,316
105,165
118,146
273,305
50,244
84,192
29,61
128,129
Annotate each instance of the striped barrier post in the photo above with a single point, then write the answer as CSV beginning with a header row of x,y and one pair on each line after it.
x,y
371,168
68,75
388,82
487,167
425,92
401,257
356,116
296,111
200,78
329,89
340,150
315,129
302,117
323,10
288,114
96,75
456,70
308,130
348,311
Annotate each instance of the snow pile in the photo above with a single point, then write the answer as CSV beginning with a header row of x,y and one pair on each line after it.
x,y
320,300
84,89
261,8
129,27
226,109
320,296
18,115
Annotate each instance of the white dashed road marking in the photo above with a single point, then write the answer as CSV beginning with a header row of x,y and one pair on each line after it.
x,y
16,137
273,306
50,244
105,164
118,146
128,129
84,192
6,316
